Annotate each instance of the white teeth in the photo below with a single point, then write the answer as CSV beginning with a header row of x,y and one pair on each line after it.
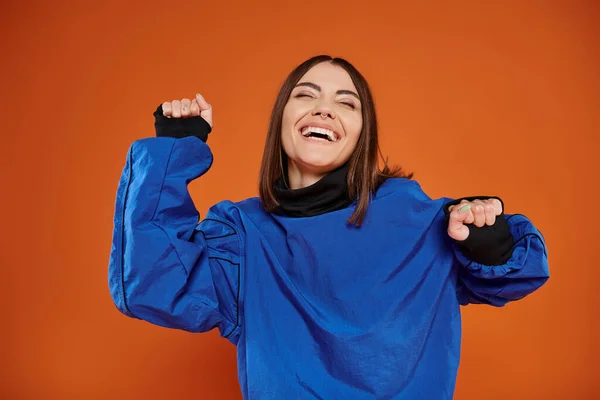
x,y
307,130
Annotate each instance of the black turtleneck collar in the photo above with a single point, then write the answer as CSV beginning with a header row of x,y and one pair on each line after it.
x,y
328,194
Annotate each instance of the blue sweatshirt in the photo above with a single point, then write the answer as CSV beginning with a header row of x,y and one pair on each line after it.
x,y
317,308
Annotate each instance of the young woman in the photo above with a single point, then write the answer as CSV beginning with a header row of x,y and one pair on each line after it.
x,y
341,281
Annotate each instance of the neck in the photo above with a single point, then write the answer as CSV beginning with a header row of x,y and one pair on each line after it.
x,y
299,178
310,194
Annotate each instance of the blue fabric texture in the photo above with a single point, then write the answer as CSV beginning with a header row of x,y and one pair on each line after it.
x,y
317,308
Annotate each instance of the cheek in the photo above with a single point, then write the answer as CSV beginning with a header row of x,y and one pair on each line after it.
x,y
287,127
288,120
353,129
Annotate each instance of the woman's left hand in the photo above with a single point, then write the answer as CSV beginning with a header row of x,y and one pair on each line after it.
x,y
477,212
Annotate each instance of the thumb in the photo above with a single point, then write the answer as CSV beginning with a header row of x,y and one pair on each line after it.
x,y
205,109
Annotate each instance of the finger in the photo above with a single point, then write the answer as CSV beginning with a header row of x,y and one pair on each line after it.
x,y
462,202
194,109
466,208
478,214
470,218
202,102
456,225
176,113
490,213
205,109
460,216
166,106
185,107
495,202
497,206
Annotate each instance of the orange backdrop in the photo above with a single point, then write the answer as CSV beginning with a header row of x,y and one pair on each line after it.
x,y
474,98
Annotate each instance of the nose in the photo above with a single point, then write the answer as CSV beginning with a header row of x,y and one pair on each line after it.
x,y
324,112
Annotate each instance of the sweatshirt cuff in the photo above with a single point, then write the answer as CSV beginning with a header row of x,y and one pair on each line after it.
x,y
180,127
487,245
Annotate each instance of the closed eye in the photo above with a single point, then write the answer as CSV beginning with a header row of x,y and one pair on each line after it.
x,y
352,106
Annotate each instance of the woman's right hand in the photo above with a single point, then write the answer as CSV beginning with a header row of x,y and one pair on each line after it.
x,y
185,108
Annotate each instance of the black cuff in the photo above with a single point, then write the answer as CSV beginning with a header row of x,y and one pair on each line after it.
x,y
180,127
488,245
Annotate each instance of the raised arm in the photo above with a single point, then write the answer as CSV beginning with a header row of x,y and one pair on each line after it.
x,y
165,267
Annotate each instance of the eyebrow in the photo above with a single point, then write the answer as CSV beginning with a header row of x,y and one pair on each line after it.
x,y
318,89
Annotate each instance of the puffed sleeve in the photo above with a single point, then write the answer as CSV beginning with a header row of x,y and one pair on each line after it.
x,y
165,266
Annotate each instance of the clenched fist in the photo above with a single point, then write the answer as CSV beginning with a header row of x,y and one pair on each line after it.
x,y
476,212
185,108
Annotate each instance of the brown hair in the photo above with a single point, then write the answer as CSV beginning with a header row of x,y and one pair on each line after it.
x,y
364,175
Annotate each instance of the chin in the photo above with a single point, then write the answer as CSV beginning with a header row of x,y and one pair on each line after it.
x,y
318,164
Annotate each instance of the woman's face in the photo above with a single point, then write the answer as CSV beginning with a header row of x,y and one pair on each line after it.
x,y
322,120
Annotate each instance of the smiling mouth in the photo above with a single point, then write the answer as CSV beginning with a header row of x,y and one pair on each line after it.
x,y
316,133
